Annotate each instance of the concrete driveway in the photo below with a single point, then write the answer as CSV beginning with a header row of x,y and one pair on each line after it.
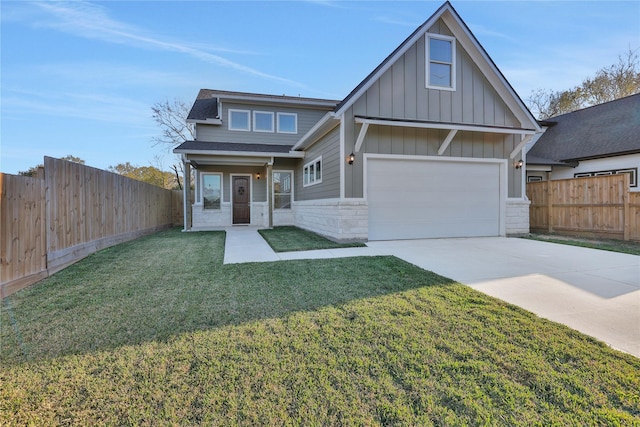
x,y
595,292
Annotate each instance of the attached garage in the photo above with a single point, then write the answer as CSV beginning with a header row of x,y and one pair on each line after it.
x,y
426,197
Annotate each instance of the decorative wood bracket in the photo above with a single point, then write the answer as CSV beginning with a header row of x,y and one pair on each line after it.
x,y
447,141
361,135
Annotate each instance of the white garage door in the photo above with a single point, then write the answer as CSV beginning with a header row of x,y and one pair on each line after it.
x,y
414,199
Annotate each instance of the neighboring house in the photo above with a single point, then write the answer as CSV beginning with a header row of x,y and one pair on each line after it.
x,y
425,146
599,140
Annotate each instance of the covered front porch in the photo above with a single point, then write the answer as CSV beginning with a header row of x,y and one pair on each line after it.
x,y
237,184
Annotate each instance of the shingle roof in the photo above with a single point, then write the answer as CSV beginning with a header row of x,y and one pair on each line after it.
x,y
209,93
204,109
232,146
612,128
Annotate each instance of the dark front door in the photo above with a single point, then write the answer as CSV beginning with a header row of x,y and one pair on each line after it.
x,y
241,200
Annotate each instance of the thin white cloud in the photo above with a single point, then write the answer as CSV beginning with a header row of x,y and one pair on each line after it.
x,y
92,21
86,106
480,30
393,21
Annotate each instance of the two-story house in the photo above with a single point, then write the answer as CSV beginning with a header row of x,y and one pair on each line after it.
x,y
427,145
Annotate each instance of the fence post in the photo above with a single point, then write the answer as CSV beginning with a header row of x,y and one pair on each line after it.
x,y
549,193
625,200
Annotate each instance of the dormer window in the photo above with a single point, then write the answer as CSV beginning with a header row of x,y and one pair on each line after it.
x,y
441,65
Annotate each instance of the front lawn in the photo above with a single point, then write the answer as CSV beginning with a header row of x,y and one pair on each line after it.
x,y
625,247
289,239
159,332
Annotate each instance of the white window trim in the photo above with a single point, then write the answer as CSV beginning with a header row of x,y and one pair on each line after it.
x,y
255,121
233,110
314,181
428,61
273,192
201,189
295,116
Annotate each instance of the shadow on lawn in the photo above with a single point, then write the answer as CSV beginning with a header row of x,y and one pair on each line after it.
x,y
171,283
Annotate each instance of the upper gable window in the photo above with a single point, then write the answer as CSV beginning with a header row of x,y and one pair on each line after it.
x,y
441,65
262,121
287,123
239,120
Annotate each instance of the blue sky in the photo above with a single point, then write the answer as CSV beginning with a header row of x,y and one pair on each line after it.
x,y
80,78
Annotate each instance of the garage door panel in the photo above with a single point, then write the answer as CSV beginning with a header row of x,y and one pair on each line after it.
x,y
427,198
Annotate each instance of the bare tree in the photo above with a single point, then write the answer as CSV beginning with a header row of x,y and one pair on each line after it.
x,y
172,119
609,83
616,81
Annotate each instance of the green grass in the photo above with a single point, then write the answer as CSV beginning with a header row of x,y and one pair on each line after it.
x,y
625,247
289,239
159,332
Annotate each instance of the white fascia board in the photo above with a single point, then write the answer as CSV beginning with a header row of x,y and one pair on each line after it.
x,y
268,99
489,70
291,154
446,126
477,53
321,128
418,34
206,121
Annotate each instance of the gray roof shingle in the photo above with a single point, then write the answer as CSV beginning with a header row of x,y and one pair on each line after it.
x,y
204,109
232,146
604,130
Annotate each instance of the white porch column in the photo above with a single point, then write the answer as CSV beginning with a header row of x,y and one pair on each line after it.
x,y
270,193
186,191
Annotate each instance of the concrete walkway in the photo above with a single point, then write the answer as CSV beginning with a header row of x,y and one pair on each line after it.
x,y
595,292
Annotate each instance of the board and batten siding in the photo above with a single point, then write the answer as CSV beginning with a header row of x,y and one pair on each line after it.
x,y
329,148
401,93
221,133
258,186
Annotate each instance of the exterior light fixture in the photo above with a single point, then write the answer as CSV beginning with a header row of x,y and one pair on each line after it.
x,y
258,175
519,164
351,158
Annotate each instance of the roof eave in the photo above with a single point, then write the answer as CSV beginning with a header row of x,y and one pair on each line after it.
x,y
471,44
290,154
208,121
321,128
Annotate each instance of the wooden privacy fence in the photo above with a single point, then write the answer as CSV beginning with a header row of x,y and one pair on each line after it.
x,y
600,206
74,210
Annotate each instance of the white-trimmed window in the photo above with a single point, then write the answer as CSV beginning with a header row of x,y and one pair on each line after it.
x,y
633,174
262,121
441,63
282,189
287,123
313,172
211,190
239,120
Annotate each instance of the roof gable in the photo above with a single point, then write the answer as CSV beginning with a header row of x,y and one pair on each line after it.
x,y
469,43
603,130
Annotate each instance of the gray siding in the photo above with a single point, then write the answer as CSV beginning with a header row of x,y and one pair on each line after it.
x,y
329,148
259,186
221,133
401,93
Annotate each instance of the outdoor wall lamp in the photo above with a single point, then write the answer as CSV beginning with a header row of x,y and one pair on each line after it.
x,y
351,158
258,175
519,164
